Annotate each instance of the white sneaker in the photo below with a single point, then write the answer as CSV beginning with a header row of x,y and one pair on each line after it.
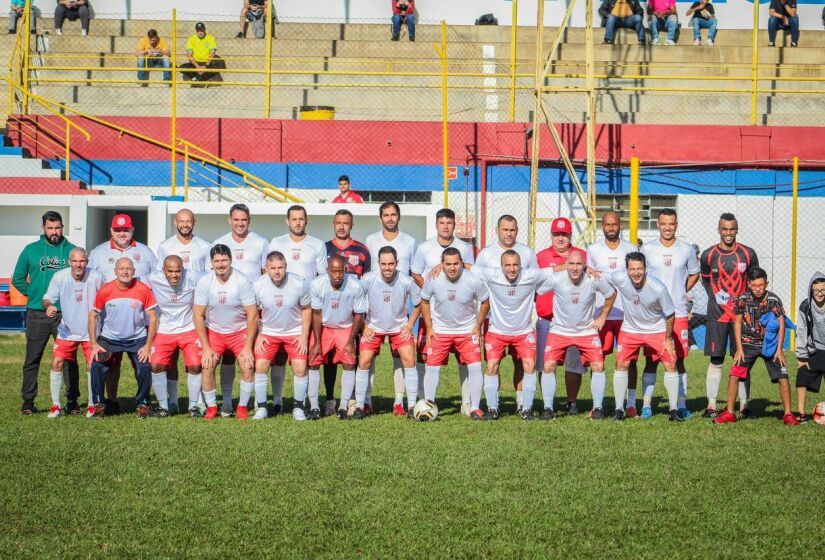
x,y
54,412
670,43
655,41
697,42
84,32
260,413
299,414
466,409
58,32
709,42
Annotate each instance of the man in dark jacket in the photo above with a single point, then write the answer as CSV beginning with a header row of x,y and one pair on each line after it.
x,y
622,13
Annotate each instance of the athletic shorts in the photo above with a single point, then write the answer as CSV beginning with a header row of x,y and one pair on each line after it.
x,y
520,346
227,343
752,353
810,376
165,345
67,350
589,347
609,335
395,339
719,338
275,344
333,339
466,345
573,359
631,343
680,339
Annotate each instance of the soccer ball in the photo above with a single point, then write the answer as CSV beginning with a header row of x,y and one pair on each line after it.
x,y
425,410
819,413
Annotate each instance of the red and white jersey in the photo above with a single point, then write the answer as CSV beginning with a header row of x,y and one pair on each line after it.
x,y
349,197
404,245
490,256
337,306
102,259
306,258
428,254
225,301
511,303
75,299
123,311
389,303
645,310
195,254
672,265
174,304
454,305
607,260
249,255
574,304
281,306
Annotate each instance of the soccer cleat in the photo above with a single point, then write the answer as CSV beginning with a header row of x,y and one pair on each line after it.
x,y
173,409
631,412
465,409
596,414
359,414
299,413
619,414
647,413
724,417
277,410
571,409
54,411
790,420
476,415
685,414
330,408
710,413
410,414
315,414
195,412
492,414
90,410
211,413
803,418
260,413
159,412
342,414
367,409
674,416
746,414
227,413
73,408
548,414
398,410
526,415
242,413
28,408
143,411
99,411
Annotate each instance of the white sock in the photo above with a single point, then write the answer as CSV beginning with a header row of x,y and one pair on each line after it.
x,y
744,393
398,380
411,382
619,388
431,378
362,380
193,380
300,388
347,387
648,386
227,383
672,387
313,387
529,390
520,398
370,380
278,374
712,384
491,391
211,398
55,384
172,390
464,378
261,385
247,387
598,381
548,388
683,379
476,385
631,398
161,392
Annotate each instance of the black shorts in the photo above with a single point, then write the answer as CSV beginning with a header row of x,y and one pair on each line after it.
x,y
810,376
719,338
775,370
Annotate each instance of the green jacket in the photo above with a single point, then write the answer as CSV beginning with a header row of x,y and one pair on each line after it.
x,y
39,261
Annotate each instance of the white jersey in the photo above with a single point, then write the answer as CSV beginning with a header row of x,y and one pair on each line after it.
x,y
672,265
248,256
195,254
574,304
225,302
428,254
512,303
102,259
174,304
490,256
606,260
306,258
76,300
404,245
454,305
389,302
281,306
337,306
645,310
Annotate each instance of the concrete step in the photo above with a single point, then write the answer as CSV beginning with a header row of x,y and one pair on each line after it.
x,y
19,167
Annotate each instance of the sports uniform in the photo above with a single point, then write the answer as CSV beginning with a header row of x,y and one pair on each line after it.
x,y
357,259
195,254
225,304
103,257
306,258
490,256
404,245
349,197
248,255
606,260
281,317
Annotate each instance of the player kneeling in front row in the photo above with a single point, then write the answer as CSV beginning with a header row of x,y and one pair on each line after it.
x,y
452,320
759,332
810,343
389,294
286,319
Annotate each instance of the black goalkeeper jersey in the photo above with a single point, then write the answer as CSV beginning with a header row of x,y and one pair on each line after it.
x,y
725,278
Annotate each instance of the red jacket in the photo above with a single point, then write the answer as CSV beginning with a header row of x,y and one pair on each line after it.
x,y
410,7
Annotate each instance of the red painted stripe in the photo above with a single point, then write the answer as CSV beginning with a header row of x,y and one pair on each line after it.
x,y
37,185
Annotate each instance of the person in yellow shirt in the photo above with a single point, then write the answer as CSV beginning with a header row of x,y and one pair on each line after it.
x,y
622,13
200,50
152,52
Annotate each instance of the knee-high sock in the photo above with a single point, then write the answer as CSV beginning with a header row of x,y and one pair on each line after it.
x,y
421,369
227,383
370,380
89,380
347,386
431,378
193,381
55,384
411,382
362,381
476,382
648,386
529,386
211,398
261,385
278,375
398,379
491,383
744,393
314,387
161,391
464,378
548,388
712,383
672,388
619,388
300,388
247,387
683,380
598,381
171,390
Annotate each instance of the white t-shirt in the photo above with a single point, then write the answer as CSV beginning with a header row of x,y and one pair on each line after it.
x,y
404,245
248,256
225,302
606,260
574,304
490,256
195,254
454,305
307,258
645,310
428,254
76,301
103,258
281,306
175,304
511,304
672,265
337,306
389,303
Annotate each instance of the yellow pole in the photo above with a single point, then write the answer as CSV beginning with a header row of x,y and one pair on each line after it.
x,y
634,200
268,94
532,201
590,232
68,153
794,222
27,14
513,43
445,138
754,61
186,172
174,140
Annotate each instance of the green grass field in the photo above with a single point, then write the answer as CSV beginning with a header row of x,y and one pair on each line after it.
x,y
388,487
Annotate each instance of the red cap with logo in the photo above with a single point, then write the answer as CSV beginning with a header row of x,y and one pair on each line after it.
x,y
561,225
122,221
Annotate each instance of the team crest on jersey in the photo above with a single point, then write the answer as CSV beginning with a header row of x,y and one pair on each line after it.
x,y
613,262
387,295
488,347
636,299
668,260
741,267
451,295
279,301
137,257
296,254
531,338
335,304
185,258
684,334
352,260
239,255
173,298
78,296
574,298
111,260
511,292
222,298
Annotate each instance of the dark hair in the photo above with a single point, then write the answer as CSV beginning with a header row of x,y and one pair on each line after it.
x,y
343,178
666,212
52,216
757,273
387,250
275,256
727,217
220,249
506,218
296,208
387,205
818,281
635,256
451,252
343,212
445,213
241,207
152,34
510,253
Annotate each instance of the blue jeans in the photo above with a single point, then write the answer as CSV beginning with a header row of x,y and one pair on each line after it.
x,y
775,23
153,62
700,23
13,17
629,22
398,20
671,23
143,371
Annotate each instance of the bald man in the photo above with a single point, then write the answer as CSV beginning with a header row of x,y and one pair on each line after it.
x,y
193,250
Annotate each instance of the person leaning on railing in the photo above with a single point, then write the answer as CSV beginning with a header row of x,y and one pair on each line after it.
x,y
783,15
704,17
72,10
403,11
622,13
200,50
17,9
152,52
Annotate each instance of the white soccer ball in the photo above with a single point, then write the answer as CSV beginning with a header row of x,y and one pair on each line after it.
x,y
425,411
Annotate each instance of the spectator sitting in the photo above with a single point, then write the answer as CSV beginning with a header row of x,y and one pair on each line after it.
x,y
347,195
71,10
255,11
18,8
783,16
662,14
622,13
403,11
152,52
200,50
704,17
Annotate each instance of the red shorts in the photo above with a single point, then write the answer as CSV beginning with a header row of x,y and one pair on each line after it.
x,y
521,346
609,335
589,346
223,343
680,339
275,344
333,339
396,342
631,343
466,345
67,350
165,346
421,342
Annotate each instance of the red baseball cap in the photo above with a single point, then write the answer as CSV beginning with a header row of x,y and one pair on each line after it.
x,y
122,221
561,225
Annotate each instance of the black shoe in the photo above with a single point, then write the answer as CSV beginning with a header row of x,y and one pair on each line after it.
x,y
342,414
112,407
643,42
195,412
359,414
673,416
607,42
803,418
315,414
548,414
28,408
143,411
492,414
73,408
240,35
277,410
619,414
410,414
526,415
746,414
394,38
571,409
710,413
12,32
476,415
412,40
596,414
159,412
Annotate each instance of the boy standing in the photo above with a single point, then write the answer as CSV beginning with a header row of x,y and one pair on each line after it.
x,y
810,342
